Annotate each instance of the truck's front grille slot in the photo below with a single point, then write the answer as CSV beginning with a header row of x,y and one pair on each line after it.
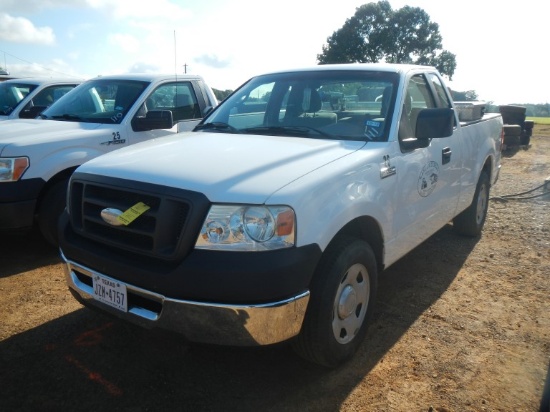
x,y
131,239
163,231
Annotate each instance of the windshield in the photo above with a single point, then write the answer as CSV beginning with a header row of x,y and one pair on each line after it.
x,y
339,104
97,101
11,94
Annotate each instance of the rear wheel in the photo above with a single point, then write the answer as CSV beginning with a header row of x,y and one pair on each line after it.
x,y
470,222
342,297
51,207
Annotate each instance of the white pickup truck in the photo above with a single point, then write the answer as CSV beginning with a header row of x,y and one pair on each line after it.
x,y
271,221
37,156
26,98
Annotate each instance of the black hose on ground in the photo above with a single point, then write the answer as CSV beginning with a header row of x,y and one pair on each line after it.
x,y
521,196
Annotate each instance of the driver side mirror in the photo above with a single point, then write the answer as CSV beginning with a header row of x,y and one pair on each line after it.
x,y
434,123
153,120
430,124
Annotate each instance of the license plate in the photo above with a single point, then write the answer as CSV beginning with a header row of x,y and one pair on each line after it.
x,y
110,292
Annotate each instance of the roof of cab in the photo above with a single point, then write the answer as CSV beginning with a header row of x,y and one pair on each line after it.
x,y
38,81
386,67
149,77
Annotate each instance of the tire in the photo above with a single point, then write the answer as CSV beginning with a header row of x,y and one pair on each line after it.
x,y
341,303
512,133
51,207
513,114
470,222
512,130
529,124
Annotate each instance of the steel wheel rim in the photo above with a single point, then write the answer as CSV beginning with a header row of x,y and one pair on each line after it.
x,y
481,204
350,303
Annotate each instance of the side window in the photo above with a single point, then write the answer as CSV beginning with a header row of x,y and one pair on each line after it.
x,y
418,97
60,91
43,98
443,97
50,94
177,97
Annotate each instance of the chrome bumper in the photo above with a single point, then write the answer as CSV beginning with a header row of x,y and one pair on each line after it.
x,y
235,325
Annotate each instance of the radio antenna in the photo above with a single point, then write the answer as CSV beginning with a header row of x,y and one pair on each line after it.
x,y
175,58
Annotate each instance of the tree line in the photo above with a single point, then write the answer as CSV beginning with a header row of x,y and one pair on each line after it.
x,y
532,110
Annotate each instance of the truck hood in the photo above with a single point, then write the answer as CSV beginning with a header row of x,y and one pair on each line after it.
x,y
224,167
28,131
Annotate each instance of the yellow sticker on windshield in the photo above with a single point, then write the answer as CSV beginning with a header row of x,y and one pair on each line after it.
x,y
133,213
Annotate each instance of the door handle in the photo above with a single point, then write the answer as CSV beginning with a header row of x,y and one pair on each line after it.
x,y
446,155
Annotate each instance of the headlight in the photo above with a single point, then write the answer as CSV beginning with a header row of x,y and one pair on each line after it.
x,y
12,168
247,228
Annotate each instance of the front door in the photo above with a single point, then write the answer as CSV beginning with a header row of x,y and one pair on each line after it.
x,y
428,178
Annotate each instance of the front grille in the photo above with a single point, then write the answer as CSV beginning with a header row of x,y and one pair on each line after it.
x,y
165,231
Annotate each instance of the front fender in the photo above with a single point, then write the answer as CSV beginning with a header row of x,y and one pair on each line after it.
x,y
52,163
329,198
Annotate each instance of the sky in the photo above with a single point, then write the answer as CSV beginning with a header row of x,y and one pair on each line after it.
x,y
501,47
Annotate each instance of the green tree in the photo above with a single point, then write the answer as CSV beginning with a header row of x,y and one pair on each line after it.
x,y
468,95
376,33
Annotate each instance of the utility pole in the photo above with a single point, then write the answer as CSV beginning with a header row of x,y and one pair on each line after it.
x,y
185,68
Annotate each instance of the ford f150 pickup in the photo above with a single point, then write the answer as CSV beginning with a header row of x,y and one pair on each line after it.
x,y
37,156
273,218
26,98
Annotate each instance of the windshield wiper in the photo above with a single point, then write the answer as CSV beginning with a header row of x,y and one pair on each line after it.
x,y
216,126
67,116
287,131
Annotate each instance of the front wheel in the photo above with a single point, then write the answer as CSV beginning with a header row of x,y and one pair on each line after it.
x,y
342,297
470,222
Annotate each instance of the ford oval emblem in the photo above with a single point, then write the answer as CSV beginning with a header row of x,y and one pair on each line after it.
x,y
110,216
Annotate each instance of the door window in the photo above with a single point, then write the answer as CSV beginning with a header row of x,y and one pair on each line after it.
x,y
418,96
179,98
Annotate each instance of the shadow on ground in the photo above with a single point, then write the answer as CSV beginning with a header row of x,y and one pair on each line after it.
x,y
87,361
21,252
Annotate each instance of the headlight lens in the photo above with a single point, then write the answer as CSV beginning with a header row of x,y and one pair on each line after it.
x,y
12,168
247,228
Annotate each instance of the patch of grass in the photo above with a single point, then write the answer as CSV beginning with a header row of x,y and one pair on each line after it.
x,y
539,120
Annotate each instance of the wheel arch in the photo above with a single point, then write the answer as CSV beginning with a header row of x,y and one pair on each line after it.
x,y
60,176
488,168
368,229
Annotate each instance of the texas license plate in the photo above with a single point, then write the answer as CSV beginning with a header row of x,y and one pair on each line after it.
x,y
110,292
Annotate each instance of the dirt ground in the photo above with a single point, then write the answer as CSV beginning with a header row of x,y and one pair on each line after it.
x,y
461,325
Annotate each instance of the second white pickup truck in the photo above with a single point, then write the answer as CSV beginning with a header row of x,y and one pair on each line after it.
x,y
26,98
272,220
37,156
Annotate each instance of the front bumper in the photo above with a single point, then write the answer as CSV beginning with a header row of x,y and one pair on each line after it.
x,y
226,324
17,215
18,203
